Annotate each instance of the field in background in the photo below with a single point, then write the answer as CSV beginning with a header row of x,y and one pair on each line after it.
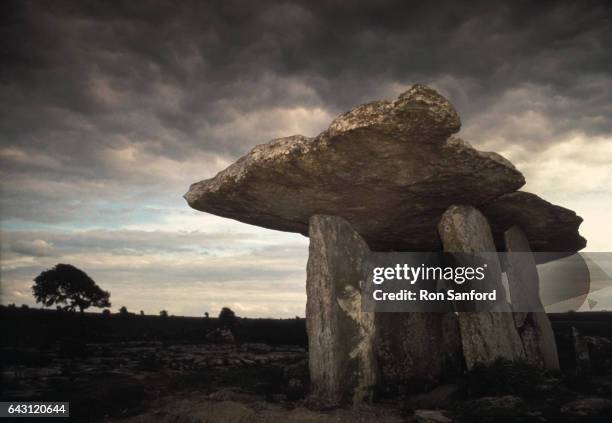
x,y
27,327
115,366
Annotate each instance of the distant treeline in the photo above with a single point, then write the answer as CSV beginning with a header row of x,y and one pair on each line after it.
x,y
23,326
27,327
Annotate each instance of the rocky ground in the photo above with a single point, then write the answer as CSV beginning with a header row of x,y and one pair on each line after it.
x,y
218,380
513,394
233,406
223,382
126,378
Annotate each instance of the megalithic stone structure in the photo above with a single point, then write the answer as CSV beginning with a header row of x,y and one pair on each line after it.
x,y
384,176
485,336
534,327
352,351
341,337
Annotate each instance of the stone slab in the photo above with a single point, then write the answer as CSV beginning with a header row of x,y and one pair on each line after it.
x,y
485,336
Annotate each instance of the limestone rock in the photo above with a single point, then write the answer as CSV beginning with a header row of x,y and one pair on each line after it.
x,y
442,396
431,416
534,327
485,335
401,358
340,336
507,408
538,339
600,347
351,350
523,279
588,409
548,227
390,168
581,352
234,394
221,335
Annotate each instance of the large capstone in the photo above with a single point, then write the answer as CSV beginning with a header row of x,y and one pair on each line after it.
x,y
390,169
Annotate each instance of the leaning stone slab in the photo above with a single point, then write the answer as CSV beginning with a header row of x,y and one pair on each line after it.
x,y
485,336
534,327
340,336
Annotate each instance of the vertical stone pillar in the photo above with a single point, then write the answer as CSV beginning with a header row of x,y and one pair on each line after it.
x,y
340,336
534,326
485,336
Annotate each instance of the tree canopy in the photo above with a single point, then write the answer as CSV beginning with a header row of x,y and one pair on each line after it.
x,y
69,286
227,317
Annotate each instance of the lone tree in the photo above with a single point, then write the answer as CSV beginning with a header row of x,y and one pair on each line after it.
x,y
227,317
66,284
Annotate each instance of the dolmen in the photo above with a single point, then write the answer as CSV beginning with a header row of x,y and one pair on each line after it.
x,y
393,177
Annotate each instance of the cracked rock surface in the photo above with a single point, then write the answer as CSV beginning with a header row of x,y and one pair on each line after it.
x,y
391,169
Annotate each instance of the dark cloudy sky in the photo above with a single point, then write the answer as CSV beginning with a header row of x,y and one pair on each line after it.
x,y
111,109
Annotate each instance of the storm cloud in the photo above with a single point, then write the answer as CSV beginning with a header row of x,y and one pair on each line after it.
x,y
110,109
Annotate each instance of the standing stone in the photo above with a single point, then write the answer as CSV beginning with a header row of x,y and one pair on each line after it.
x,y
581,352
340,336
532,322
485,336
417,346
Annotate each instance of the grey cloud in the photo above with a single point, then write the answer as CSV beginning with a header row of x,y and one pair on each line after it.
x,y
38,243
175,80
32,247
110,109
215,58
